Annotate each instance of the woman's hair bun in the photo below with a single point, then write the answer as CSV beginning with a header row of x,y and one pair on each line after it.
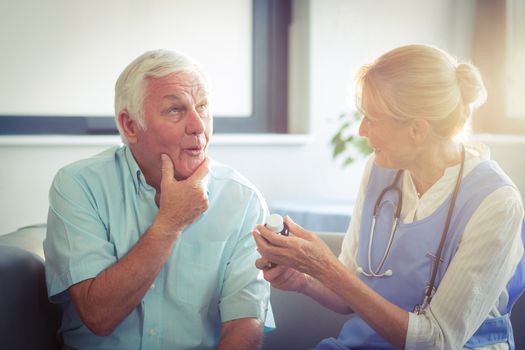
x,y
470,84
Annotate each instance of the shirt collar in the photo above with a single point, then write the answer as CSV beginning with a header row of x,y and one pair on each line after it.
x,y
136,173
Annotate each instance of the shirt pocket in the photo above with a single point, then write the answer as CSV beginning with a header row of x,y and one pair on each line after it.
x,y
198,272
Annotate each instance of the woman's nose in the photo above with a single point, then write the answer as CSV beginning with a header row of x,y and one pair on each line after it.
x,y
363,129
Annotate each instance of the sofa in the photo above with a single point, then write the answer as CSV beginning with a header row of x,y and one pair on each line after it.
x,y
28,321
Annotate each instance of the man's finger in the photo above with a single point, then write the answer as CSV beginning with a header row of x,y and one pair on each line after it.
x,y
167,167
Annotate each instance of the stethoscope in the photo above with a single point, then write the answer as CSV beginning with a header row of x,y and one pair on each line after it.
x,y
379,203
393,187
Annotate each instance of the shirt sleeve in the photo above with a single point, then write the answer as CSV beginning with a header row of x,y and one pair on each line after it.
x,y
76,247
474,284
245,293
351,240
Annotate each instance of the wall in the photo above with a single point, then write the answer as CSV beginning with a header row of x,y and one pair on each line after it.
x,y
340,36
508,151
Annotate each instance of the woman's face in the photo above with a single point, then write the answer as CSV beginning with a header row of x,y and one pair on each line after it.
x,y
389,138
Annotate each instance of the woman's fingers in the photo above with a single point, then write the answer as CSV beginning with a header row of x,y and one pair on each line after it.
x,y
297,230
272,237
262,263
279,277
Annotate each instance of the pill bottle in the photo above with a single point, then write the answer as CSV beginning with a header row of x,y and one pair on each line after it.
x,y
276,224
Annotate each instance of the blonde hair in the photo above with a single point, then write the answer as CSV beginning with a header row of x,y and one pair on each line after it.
x,y
420,81
129,88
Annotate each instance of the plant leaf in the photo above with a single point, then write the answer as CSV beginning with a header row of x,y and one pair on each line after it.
x,y
346,140
339,148
348,161
336,138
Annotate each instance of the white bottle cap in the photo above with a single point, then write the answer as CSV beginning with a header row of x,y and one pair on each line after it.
x,y
275,223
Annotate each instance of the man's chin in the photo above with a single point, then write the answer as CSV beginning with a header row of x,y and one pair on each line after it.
x,y
188,169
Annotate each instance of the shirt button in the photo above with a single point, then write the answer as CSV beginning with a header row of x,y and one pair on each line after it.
x,y
152,286
152,332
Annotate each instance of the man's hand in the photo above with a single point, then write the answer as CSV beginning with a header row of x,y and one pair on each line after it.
x,y
181,202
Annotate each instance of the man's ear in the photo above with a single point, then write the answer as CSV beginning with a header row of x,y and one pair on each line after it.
x,y
419,131
129,126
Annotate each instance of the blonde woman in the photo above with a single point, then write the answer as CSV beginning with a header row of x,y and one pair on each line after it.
x,y
433,257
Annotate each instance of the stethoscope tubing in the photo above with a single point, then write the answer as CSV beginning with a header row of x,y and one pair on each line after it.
x,y
378,204
428,293
387,250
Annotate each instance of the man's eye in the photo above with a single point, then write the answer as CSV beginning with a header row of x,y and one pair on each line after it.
x,y
175,110
202,107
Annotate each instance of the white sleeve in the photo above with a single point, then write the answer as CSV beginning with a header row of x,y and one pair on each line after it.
x,y
350,242
474,283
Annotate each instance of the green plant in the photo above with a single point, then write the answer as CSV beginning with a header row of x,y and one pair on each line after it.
x,y
346,143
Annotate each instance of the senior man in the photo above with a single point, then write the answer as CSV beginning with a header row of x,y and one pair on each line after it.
x,y
148,244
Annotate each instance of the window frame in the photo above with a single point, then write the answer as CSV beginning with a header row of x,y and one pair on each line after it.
x,y
271,20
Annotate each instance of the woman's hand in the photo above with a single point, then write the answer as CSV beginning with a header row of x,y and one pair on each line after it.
x,y
282,277
304,252
299,262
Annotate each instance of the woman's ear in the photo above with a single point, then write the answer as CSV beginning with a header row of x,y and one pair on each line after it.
x,y
419,130
129,126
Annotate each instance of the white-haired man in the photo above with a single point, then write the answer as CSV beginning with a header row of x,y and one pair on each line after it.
x,y
148,244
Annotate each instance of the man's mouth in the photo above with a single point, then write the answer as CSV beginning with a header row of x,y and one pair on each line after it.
x,y
194,151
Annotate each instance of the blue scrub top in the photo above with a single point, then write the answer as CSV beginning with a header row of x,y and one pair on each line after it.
x,y
409,260
100,207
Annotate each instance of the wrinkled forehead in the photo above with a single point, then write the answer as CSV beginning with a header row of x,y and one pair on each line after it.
x,y
188,84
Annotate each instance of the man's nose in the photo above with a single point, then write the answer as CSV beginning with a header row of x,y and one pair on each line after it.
x,y
194,123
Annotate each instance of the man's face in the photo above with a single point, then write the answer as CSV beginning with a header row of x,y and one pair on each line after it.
x,y
178,123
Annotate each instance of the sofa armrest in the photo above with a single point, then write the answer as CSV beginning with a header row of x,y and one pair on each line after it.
x,y
27,319
29,238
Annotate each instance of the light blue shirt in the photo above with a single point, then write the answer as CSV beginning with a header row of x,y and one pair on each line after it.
x,y
100,207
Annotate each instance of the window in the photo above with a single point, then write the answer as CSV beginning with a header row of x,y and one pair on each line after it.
x,y
499,53
515,14
259,95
